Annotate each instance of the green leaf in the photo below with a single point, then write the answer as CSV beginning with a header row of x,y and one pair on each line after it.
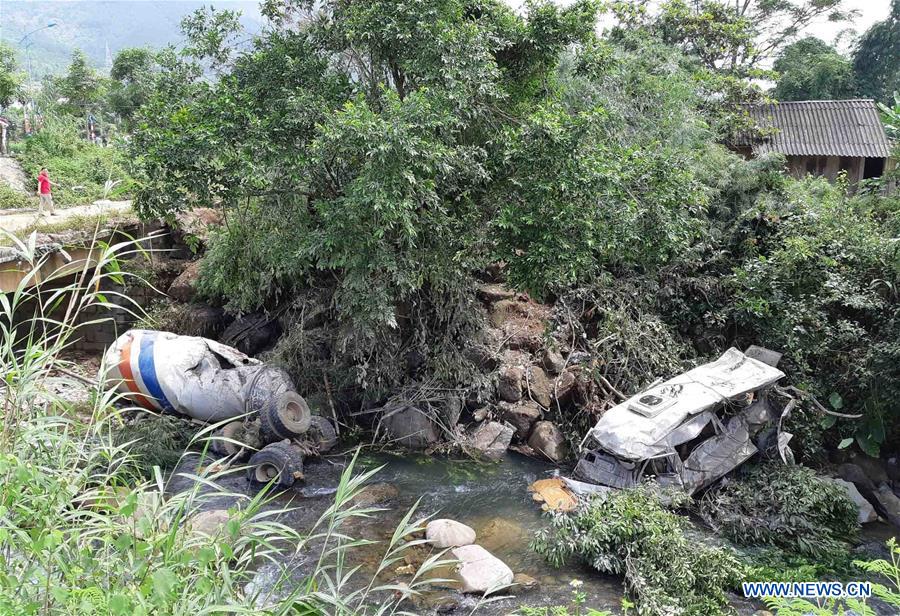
x,y
164,581
845,443
837,403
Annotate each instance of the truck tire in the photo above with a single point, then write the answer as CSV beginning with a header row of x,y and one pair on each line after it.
x,y
286,417
322,433
280,462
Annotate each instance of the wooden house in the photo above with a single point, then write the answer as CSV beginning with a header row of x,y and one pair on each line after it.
x,y
822,137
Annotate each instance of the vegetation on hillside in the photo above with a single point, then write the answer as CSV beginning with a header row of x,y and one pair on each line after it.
x,y
375,161
378,157
83,171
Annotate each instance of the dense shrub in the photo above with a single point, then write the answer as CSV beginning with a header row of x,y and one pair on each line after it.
x,y
13,199
84,171
818,280
784,506
628,532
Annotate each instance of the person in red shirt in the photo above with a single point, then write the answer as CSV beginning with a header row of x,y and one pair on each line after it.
x,y
44,192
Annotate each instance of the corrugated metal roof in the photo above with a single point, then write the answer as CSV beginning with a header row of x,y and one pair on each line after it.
x,y
821,128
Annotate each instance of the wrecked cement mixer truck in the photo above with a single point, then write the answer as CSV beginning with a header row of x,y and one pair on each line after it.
x,y
211,383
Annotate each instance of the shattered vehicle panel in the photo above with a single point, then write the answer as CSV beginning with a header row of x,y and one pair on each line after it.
x,y
648,433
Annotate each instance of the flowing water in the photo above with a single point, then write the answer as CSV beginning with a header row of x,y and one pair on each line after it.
x,y
492,498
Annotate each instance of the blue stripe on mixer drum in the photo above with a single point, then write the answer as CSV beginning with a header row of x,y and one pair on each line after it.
x,y
147,367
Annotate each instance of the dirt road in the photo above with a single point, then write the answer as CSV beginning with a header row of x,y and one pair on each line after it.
x,y
18,220
11,174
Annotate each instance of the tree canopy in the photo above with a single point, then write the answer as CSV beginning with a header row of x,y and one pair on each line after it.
x,y
810,69
11,77
877,57
81,84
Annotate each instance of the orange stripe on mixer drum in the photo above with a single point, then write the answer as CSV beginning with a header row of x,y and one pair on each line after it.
x,y
128,376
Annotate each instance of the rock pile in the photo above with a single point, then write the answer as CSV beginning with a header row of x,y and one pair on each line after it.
x,y
533,381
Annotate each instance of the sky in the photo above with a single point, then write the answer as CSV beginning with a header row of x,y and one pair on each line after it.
x,y
870,11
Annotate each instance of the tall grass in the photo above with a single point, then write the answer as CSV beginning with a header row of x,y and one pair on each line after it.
x,y
83,531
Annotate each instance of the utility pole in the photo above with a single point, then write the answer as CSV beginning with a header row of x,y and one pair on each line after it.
x,y
27,48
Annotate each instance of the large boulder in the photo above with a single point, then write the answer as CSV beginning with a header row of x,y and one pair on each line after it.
x,y
509,386
539,386
491,438
409,427
553,361
184,287
446,533
211,522
548,440
479,571
562,387
520,416
866,510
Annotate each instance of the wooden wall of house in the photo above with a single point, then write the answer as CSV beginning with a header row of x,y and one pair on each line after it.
x,y
827,166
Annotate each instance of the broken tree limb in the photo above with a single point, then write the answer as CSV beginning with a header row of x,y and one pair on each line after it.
x,y
786,391
609,386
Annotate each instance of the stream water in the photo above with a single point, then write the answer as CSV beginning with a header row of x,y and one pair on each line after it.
x,y
491,498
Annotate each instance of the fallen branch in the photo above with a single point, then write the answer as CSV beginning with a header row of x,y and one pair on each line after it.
x,y
786,391
609,386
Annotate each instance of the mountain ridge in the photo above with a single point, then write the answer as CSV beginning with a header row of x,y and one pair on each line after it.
x,y
92,25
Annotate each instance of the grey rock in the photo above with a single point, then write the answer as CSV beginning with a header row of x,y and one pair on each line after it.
x,y
479,571
547,439
509,386
446,533
491,438
409,427
553,361
539,386
520,416
866,511
562,387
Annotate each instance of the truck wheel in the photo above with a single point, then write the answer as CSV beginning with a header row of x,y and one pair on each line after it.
x,y
287,418
322,433
280,462
233,430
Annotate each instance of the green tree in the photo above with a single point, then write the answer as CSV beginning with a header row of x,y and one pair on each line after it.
x,y
890,116
743,34
81,85
810,69
131,81
876,60
10,77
